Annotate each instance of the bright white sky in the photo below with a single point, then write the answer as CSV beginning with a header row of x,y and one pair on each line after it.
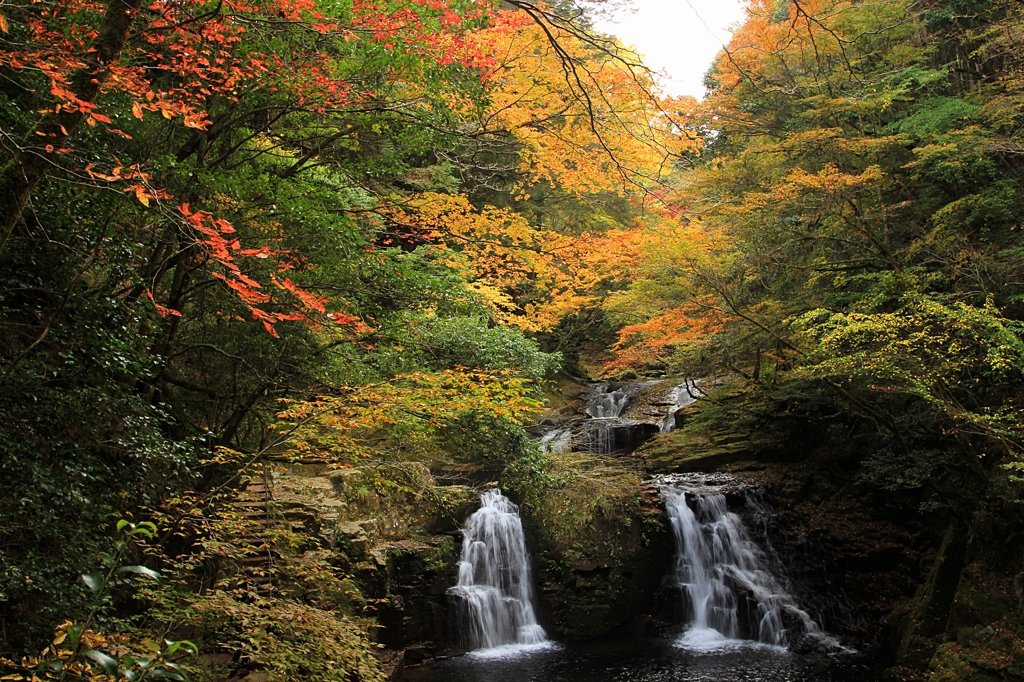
x,y
679,37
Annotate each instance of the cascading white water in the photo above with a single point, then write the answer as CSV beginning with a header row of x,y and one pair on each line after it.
x,y
608,404
605,408
557,440
680,396
729,593
493,599
612,423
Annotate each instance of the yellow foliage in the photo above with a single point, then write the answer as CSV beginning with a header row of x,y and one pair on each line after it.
x,y
587,118
529,277
357,421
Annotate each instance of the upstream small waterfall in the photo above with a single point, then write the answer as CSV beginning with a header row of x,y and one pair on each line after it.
x,y
617,418
727,584
493,600
685,394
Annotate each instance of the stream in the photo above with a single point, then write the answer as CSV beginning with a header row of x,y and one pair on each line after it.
x,y
630,659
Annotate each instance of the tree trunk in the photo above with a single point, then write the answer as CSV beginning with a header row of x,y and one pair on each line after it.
x,y
31,163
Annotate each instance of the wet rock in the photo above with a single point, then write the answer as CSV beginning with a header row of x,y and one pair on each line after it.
x,y
646,625
807,645
415,654
455,504
680,451
418,573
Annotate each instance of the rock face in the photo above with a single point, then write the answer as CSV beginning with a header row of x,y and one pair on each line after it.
x,y
921,590
728,574
940,613
615,418
417,574
603,576
966,622
399,551
848,555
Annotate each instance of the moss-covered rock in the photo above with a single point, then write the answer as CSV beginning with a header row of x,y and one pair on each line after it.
x,y
684,451
383,538
982,597
988,653
600,541
605,576
982,634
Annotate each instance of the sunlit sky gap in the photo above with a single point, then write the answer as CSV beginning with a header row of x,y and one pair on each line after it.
x,y
678,37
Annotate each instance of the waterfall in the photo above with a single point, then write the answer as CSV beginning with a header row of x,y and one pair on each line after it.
x,y
606,430
493,599
557,440
681,396
608,404
726,582
618,418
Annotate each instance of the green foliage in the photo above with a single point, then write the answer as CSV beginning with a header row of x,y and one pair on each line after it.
x,y
59,452
443,558
77,653
459,341
965,362
126,356
529,475
311,625
483,438
578,336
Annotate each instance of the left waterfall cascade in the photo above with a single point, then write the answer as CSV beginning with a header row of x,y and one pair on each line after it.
x,y
492,603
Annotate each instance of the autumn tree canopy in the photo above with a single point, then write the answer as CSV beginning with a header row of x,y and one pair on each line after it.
x,y
287,229
363,233
852,229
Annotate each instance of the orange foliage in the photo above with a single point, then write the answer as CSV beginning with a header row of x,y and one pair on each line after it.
x,y
649,341
668,306
207,60
722,214
183,57
214,235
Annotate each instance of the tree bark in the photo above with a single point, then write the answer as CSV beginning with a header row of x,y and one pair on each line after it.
x,y
32,162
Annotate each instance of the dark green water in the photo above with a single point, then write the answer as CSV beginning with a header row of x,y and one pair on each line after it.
x,y
645,660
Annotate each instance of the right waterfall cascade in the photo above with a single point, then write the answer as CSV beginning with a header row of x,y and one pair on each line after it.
x,y
731,593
